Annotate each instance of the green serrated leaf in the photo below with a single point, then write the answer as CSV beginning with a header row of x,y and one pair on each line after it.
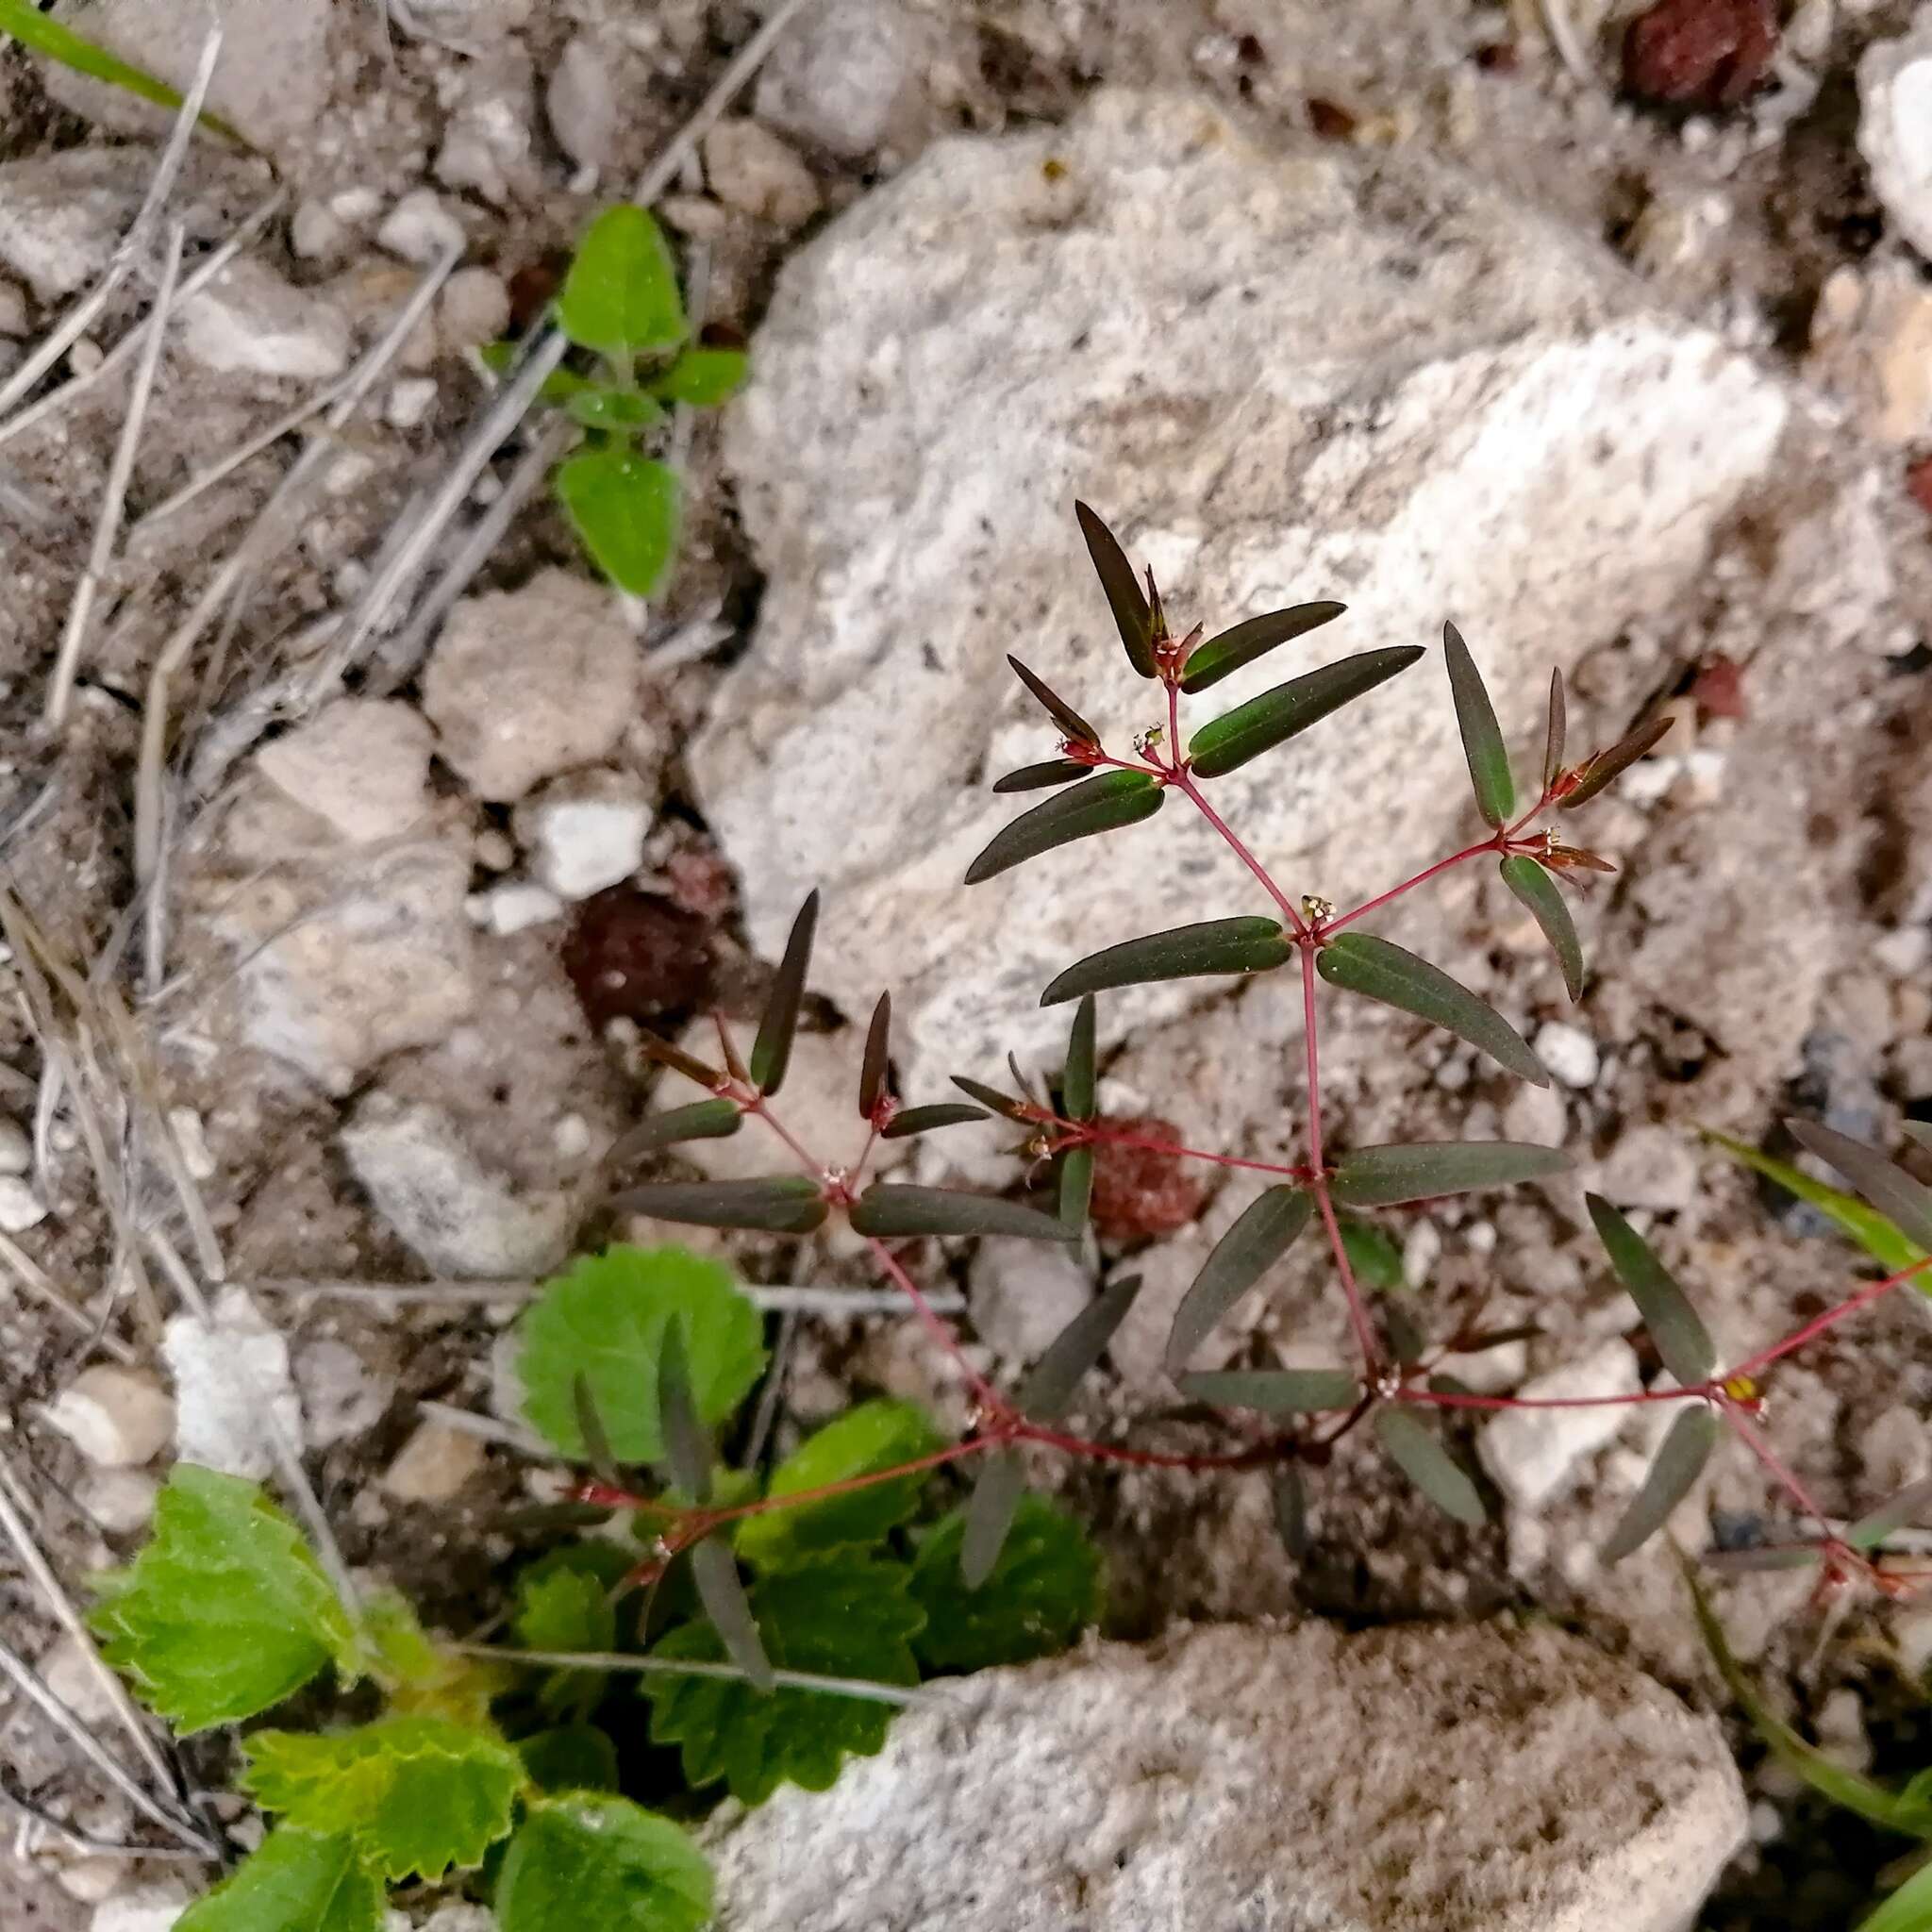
x,y
1378,969
594,1862
1265,1231
1679,1462
604,1319
1672,1324
1105,803
418,1794
875,1436
571,1757
1076,1083
777,1204
225,1610
702,1120
1227,742
1250,944
417,1674
846,1615
43,34
620,297
1539,894
1415,1449
564,1608
1426,1170
298,1881
771,1052
1888,1188
1482,736
626,510
1037,777
1274,1392
704,379
1876,1233
1043,1590
1373,1259
1132,614
924,1119
893,1208
1228,651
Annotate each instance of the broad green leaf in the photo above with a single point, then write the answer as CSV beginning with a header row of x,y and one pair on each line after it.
x,y
1603,768
1076,1083
1105,803
1882,1182
626,510
1249,945
1072,726
922,1120
1228,741
1049,1386
1373,1259
1426,1170
704,378
1482,738
891,1208
844,1616
1037,777
604,1319
43,34
418,1794
771,1052
225,1610
571,1757
620,295
1559,729
1241,644
1075,1189
875,1066
874,1437
988,1515
1673,1324
1378,969
1539,893
734,1623
1679,1462
702,1120
595,1862
1043,1590
1274,1392
777,1204
616,410
1132,614
1415,1449
1908,1909
1876,1233
1265,1231
299,1881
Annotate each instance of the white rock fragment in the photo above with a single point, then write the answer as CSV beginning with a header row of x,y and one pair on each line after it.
x,y
16,319
341,1399
20,1207
1895,126
62,215
248,320
121,1501
410,402
232,1389
1652,1167
91,1880
1023,1294
1567,1052
525,684
144,1908
1532,1454
580,102
117,1418
515,906
361,763
838,77
192,1139
474,308
16,1147
73,1675
420,227
434,1465
750,168
314,233
584,831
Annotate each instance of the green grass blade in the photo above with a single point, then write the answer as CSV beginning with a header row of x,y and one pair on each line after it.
x,y
1878,1236
41,33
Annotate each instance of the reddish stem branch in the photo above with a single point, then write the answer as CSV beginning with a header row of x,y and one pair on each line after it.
x,y
1747,1434
1863,1299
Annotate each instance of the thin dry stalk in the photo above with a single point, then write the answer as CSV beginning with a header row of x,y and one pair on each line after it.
x,y
487,1428
1563,32
836,1303
863,1688
34,1280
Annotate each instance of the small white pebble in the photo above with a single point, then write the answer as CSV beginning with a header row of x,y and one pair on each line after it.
x,y
433,1465
192,1141
1567,1052
570,1137
1904,954
16,1147
117,1418
20,1207
356,205
85,357
120,1500
410,402
516,906
313,230
420,227
495,851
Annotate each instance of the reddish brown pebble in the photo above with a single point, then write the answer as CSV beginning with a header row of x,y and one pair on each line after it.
x,y
1919,483
533,288
1718,690
1330,122
632,956
1700,53
1138,1194
1498,56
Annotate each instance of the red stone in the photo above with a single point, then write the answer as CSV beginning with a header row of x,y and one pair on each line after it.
x,y
1919,483
1718,690
633,956
1139,1194
1330,122
1700,53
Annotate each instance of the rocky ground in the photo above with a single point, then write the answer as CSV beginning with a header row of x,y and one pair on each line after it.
x,y
1623,360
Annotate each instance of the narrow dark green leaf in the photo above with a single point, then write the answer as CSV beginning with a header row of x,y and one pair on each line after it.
x,y
1266,1230
1883,1182
1907,1909
1037,777
1248,944
1132,613
1559,724
597,1450
771,1052
686,1443
922,1120
715,1570
1076,1189
1415,1451
893,1208
1673,1324
878,1053
1762,1559
1678,1463
702,1120
1406,1342
1228,741
1077,1082
1274,1392
1290,1496
1072,725
1897,1512
1426,1170
1242,643
667,1054
1538,890
25,23
1104,803
1482,736
990,1513
1875,1232
783,1204
1605,767
1002,1104
1050,1384
1378,969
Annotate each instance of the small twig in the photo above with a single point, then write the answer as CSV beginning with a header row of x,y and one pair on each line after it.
x,y
902,1694
1563,32
37,1824
833,1303
765,1416
488,1428
36,1282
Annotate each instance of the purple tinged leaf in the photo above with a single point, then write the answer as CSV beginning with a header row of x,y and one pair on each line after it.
x,y
1884,1183
1765,1557
667,1054
1247,945
1076,1189
1897,1512
891,1208
702,1120
922,1120
1482,738
686,1444
1274,1392
1603,768
1037,777
1104,803
873,1068
1679,1462
598,1453
1132,614
1072,726
1049,1387
1672,1324
1559,724
1227,742
1426,1170
1423,1459
1077,1082
1002,1104
783,1204
715,1571
1265,1231
1359,962
990,1513
1242,643
1538,891
770,1051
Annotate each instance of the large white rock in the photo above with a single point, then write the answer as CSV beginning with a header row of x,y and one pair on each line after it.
x,y
1452,1778
1895,126
1281,375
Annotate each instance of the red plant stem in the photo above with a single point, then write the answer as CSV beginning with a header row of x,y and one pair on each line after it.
x,y
1357,1314
1099,1132
1455,1399
1254,1456
1184,782
953,1452
1492,844
1748,1435
989,1398
761,1109
1863,1299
